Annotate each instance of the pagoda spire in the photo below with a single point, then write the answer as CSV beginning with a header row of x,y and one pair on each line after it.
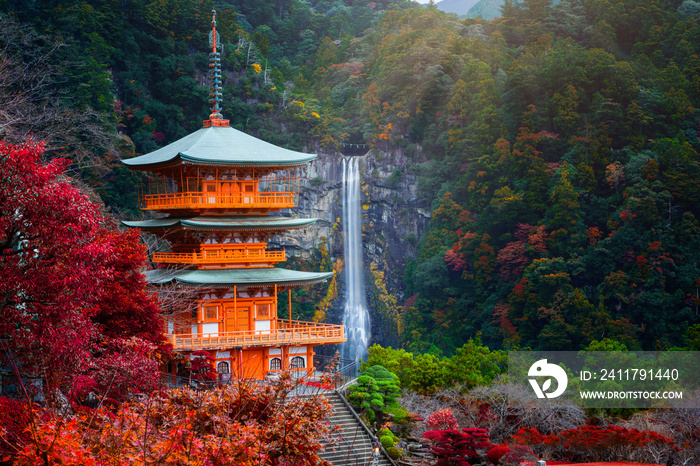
x,y
215,119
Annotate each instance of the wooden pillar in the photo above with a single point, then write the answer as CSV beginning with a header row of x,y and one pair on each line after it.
x,y
235,310
290,306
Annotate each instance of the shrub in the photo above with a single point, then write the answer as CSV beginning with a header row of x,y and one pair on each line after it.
x,y
518,455
376,394
495,454
592,443
442,420
387,442
394,453
452,446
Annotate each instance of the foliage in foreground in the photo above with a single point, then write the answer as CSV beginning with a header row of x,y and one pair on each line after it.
x,y
74,309
239,424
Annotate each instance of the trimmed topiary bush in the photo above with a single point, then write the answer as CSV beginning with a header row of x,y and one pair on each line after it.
x,y
387,442
394,453
495,454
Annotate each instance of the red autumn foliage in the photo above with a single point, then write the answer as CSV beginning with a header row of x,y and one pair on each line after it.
x,y
453,447
611,442
442,419
72,299
14,425
455,261
495,454
517,455
203,366
592,443
239,424
512,260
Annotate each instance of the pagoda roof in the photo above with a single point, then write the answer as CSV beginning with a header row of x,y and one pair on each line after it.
x,y
220,145
236,277
239,223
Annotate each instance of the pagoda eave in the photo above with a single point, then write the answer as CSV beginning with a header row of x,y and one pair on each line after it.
x,y
248,223
181,162
220,146
228,278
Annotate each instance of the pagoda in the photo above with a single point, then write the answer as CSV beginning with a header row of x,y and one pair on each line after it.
x,y
215,190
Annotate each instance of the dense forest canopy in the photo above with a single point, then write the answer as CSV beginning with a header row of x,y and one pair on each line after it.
x,y
558,143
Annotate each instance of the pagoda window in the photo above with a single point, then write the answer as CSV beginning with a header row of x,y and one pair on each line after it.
x,y
210,313
222,367
263,310
275,364
297,362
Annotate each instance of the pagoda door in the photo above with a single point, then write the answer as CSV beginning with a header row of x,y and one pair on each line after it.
x,y
237,318
243,318
236,193
226,192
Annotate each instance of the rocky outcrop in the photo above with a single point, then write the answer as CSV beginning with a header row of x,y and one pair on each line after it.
x,y
393,219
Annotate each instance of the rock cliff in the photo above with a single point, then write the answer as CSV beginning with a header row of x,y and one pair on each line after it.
x,y
393,218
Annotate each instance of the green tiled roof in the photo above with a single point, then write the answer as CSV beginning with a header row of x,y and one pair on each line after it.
x,y
238,277
260,222
221,146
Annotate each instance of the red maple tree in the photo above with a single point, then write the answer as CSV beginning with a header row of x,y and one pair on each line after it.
x,y
72,300
459,448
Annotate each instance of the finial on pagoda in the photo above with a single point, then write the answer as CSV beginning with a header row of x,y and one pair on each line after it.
x,y
215,119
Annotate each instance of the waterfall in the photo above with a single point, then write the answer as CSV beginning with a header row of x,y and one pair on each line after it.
x,y
356,314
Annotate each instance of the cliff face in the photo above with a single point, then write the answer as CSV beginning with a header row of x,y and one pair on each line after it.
x,y
393,219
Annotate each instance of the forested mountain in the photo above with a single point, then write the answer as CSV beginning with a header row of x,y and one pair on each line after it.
x,y
557,143
562,145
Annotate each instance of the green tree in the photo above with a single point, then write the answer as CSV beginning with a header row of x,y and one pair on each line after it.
x,y
475,364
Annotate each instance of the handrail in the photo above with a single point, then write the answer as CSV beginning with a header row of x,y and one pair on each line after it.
x,y
364,426
288,334
216,257
349,445
197,199
340,369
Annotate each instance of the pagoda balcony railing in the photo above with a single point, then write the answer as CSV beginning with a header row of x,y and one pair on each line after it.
x,y
287,333
199,200
244,256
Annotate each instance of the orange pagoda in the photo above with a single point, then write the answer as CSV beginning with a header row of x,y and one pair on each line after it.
x,y
215,190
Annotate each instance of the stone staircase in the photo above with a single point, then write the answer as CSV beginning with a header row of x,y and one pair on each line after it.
x,y
353,445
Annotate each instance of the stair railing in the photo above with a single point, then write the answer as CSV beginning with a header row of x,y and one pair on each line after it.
x,y
366,429
350,448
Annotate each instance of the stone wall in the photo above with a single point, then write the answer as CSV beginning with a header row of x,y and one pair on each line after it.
x,y
393,219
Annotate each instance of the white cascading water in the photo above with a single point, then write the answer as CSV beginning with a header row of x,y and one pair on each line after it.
x,y
356,314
